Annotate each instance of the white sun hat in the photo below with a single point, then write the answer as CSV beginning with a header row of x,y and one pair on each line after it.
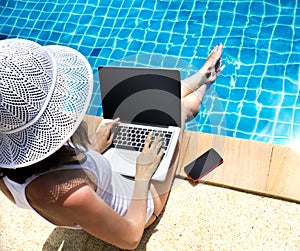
x,y
44,94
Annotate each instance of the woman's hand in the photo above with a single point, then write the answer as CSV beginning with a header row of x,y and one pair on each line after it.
x,y
149,159
105,134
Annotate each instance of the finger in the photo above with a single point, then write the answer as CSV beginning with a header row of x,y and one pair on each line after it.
x,y
147,141
113,123
161,153
158,146
154,143
109,127
116,121
111,137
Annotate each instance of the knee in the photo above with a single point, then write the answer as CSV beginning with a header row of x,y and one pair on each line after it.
x,y
189,112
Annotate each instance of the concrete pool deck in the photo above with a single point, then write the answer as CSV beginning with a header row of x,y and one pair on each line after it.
x,y
201,217
206,216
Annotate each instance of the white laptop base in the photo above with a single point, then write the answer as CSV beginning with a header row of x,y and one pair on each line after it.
x,y
124,161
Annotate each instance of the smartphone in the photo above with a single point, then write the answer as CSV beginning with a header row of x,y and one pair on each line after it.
x,y
204,164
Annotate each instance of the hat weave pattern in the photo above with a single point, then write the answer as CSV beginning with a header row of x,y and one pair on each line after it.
x,y
25,77
44,94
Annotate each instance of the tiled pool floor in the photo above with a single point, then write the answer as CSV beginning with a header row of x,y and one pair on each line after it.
x,y
257,95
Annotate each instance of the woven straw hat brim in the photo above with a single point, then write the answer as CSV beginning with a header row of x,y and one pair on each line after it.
x,y
64,113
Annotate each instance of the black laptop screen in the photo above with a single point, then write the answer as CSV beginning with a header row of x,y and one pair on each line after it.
x,y
144,96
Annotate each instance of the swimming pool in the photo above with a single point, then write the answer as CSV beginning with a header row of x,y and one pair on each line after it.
x,y
257,95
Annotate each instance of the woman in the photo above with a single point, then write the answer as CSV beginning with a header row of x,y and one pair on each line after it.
x,y
44,94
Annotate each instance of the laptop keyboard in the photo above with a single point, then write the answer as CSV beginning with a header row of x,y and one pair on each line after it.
x,y
133,138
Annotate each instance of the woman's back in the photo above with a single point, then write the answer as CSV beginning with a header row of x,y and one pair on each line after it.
x,y
47,193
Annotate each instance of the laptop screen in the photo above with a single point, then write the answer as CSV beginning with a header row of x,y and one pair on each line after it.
x,y
141,95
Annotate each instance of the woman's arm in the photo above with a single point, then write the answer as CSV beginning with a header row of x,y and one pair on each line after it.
x,y
86,209
97,218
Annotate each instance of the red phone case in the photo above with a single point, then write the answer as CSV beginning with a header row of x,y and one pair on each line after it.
x,y
203,165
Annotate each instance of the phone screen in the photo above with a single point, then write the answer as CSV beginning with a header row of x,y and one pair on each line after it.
x,y
203,165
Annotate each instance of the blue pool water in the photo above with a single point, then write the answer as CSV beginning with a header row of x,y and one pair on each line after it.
x,y
257,95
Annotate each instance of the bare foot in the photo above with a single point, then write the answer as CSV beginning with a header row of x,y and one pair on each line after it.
x,y
195,87
207,74
212,67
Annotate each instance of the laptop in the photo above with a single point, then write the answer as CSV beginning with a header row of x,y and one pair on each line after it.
x,y
145,99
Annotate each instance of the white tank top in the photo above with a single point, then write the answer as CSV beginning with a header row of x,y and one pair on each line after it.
x,y
112,187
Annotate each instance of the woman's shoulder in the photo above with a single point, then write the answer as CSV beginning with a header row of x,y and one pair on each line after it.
x,y
58,182
54,187
51,194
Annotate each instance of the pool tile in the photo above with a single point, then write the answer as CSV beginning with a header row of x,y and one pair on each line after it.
x,y
285,115
272,84
297,116
283,130
251,95
291,88
246,124
265,127
267,98
296,132
268,113
250,109
288,100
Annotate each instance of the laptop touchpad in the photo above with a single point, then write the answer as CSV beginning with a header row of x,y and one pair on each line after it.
x,y
122,161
